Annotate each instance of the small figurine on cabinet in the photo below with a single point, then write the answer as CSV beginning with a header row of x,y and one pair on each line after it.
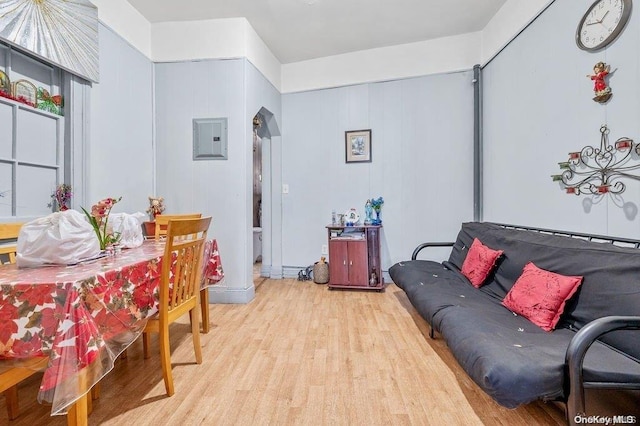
x,y
368,209
373,280
602,92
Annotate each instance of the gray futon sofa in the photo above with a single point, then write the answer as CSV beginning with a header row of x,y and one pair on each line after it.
x,y
596,342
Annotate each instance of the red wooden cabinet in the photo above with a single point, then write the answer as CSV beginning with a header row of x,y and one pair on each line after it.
x,y
354,257
347,262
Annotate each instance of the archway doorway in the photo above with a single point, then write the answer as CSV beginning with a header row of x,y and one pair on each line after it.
x,y
264,129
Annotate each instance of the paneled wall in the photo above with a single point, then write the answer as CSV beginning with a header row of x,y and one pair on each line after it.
x,y
205,89
220,188
538,108
422,162
120,155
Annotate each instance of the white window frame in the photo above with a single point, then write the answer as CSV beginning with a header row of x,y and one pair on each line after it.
x,y
54,86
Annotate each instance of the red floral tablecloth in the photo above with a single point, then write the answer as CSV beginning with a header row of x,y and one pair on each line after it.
x,y
213,272
83,316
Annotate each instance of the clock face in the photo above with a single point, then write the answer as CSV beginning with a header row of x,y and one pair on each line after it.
x,y
602,23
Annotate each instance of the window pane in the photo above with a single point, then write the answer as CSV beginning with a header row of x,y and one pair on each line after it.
x,y
26,68
31,141
34,188
37,138
5,190
3,57
6,134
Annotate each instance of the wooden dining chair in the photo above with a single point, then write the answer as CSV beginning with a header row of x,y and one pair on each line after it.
x,y
12,374
161,231
18,370
162,221
10,232
179,288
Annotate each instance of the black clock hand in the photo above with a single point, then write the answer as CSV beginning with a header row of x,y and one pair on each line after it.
x,y
603,16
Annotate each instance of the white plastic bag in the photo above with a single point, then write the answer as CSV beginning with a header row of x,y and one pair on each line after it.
x,y
130,228
59,238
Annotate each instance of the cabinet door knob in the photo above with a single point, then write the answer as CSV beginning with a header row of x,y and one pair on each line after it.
x,y
351,263
344,262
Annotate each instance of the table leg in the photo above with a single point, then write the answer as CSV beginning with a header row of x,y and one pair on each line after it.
x,y
11,396
77,414
95,391
204,305
94,394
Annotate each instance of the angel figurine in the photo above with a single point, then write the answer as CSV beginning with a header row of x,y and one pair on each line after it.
x,y
600,88
368,209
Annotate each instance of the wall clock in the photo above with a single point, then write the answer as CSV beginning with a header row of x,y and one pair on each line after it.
x,y
602,23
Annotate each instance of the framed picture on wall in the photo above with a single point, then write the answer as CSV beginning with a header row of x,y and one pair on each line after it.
x,y
357,146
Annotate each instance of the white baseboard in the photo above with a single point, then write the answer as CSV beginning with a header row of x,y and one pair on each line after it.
x,y
292,272
219,294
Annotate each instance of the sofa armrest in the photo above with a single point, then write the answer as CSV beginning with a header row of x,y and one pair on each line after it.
x,y
425,245
576,351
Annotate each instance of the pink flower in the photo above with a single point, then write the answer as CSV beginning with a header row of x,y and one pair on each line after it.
x,y
62,196
99,217
97,211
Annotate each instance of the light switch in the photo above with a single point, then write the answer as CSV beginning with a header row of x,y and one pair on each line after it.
x,y
285,188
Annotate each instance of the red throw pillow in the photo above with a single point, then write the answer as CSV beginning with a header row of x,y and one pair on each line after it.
x,y
479,262
540,295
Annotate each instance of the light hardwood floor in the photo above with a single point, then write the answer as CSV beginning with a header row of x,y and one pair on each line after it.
x,y
298,354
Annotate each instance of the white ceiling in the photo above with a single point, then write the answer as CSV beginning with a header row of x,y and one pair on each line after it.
x,y
297,30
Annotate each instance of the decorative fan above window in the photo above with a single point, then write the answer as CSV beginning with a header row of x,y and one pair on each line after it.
x,y
62,32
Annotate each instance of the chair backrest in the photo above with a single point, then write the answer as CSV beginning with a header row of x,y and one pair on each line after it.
x,y
162,220
10,232
182,262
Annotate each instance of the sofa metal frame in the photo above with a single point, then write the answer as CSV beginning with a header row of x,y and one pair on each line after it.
x,y
574,381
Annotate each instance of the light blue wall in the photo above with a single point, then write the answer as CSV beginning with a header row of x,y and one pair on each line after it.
x,y
422,133
120,154
538,108
221,188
